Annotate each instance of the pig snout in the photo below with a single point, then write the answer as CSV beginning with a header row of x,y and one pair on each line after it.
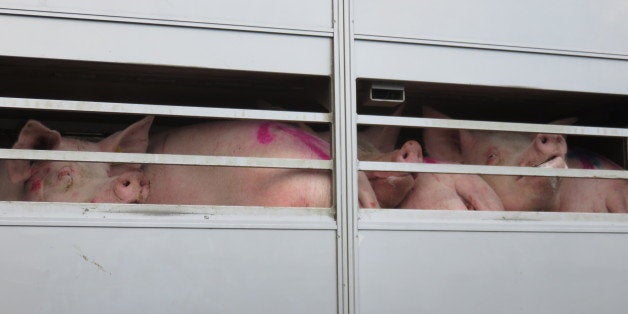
x,y
409,152
131,187
551,144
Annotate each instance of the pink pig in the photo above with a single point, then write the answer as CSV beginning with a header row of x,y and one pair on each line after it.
x,y
532,150
77,182
451,191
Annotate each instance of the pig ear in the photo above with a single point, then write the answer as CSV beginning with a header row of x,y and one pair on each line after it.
x,y
133,139
33,135
443,144
384,137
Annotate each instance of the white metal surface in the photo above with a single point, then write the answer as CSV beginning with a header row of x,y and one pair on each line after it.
x,y
72,39
166,270
457,271
288,14
491,221
564,26
188,160
164,216
344,138
427,63
162,110
492,126
497,170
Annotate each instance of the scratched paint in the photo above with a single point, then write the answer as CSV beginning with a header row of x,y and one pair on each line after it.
x,y
88,260
315,144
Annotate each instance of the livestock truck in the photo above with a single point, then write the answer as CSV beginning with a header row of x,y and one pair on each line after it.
x,y
88,69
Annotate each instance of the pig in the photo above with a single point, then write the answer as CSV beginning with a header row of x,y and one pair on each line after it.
x,y
592,195
389,188
526,193
451,192
71,181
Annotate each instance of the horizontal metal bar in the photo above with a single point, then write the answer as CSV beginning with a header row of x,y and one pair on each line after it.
x,y
494,170
165,216
510,48
163,110
493,126
317,32
490,221
169,159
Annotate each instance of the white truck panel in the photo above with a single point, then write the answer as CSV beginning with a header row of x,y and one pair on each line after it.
x,y
166,270
568,25
300,14
492,272
429,63
68,39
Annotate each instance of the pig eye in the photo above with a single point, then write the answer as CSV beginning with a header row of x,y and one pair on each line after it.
x,y
492,159
64,177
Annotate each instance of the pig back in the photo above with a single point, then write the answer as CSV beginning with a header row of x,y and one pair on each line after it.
x,y
237,185
592,195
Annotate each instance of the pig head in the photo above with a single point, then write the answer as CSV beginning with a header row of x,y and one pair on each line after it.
x,y
382,188
62,181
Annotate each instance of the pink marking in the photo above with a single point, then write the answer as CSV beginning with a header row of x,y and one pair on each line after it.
x,y
36,185
429,160
263,134
315,144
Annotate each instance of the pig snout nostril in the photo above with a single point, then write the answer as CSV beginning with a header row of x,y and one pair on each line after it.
x,y
544,140
405,156
126,183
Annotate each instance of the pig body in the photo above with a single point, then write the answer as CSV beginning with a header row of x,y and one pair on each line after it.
x,y
451,192
592,195
533,150
389,188
235,185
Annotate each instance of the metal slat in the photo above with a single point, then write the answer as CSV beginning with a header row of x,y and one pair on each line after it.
x,y
494,170
502,47
262,28
170,159
500,221
163,110
492,126
165,216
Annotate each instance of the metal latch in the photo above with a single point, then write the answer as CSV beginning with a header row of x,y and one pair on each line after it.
x,y
383,94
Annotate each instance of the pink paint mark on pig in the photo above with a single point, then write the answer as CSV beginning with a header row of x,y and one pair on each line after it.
x,y
263,134
313,143
429,160
36,185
